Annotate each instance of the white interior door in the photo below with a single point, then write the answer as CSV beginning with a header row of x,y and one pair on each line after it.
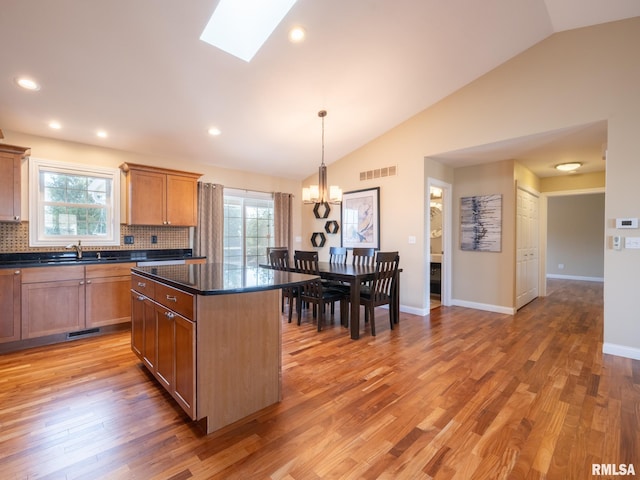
x,y
527,246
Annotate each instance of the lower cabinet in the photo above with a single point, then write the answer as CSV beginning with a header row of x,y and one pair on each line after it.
x,y
107,294
65,299
9,304
52,300
165,340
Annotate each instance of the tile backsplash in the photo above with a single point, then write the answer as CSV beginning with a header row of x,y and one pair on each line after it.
x,y
14,238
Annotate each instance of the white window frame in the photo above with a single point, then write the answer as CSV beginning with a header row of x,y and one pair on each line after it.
x,y
37,237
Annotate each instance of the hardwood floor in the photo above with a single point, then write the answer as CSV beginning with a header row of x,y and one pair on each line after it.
x,y
459,394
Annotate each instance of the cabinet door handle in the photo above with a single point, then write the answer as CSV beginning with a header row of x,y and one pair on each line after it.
x,y
88,281
17,272
169,314
172,298
142,284
81,282
16,218
141,298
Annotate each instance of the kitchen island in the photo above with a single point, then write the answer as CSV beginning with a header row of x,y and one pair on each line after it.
x,y
211,335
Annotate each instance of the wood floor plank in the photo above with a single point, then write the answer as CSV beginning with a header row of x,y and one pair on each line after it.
x,y
458,394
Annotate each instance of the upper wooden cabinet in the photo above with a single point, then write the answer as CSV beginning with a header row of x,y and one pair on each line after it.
x,y
159,196
10,158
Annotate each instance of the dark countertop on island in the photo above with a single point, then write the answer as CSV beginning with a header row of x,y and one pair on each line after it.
x,y
220,279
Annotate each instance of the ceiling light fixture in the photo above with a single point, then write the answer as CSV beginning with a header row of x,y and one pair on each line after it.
x,y
28,84
101,134
319,193
214,132
55,125
568,167
296,34
240,27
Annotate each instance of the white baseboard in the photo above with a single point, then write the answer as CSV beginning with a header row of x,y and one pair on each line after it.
x,y
484,306
621,351
575,277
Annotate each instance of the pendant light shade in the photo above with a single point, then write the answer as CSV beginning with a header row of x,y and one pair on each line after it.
x,y
320,193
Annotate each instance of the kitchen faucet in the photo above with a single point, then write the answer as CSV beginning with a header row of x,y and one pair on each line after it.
x,y
77,248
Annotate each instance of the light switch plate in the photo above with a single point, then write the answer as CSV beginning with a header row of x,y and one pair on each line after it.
x,y
632,242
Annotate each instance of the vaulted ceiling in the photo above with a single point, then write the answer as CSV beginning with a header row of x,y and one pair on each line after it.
x,y
138,70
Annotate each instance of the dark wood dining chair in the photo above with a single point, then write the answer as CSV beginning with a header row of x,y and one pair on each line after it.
x,y
314,292
381,290
364,256
338,255
279,260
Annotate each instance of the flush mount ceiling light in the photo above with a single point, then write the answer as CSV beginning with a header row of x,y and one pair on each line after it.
x,y
214,132
240,27
55,125
28,84
319,193
568,167
102,134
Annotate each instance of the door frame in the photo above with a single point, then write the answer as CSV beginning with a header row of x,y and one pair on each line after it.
x,y
447,243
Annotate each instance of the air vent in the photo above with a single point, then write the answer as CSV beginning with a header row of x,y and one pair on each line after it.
x,y
379,173
82,333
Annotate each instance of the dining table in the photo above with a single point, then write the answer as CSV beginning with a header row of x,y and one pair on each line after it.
x,y
354,276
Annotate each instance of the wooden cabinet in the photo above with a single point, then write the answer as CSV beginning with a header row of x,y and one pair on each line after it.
x,y
52,300
9,304
158,196
72,298
107,294
10,167
163,337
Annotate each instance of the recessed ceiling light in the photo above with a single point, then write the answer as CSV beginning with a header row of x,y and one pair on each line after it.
x,y
28,84
568,167
296,34
240,27
55,125
214,132
101,134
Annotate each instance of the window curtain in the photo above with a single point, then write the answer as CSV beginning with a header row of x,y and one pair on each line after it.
x,y
283,219
208,236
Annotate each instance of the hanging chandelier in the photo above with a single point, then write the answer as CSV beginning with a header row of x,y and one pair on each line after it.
x,y
320,193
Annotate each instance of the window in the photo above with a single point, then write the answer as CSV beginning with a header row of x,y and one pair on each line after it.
x,y
71,202
248,229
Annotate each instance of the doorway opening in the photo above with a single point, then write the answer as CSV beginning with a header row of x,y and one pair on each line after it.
x,y
438,243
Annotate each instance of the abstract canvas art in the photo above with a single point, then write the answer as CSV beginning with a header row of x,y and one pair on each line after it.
x,y
481,223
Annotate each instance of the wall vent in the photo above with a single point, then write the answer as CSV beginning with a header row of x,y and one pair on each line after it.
x,y
379,172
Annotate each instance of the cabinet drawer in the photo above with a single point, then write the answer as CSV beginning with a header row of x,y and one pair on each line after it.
x,y
174,299
109,270
52,274
143,285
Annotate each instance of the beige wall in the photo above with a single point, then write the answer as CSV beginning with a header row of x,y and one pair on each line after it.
x,y
572,78
575,237
52,149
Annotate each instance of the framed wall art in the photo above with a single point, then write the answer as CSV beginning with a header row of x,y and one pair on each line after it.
x,y
481,223
360,219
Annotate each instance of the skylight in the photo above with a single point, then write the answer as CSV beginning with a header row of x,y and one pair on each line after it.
x,y
240,27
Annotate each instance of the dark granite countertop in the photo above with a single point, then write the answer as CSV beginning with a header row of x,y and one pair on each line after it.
x,y
219,279
40,259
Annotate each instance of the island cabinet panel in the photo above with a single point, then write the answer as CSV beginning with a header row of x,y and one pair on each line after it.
x,y
10,188
53,300
159,196
238,356
9,304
